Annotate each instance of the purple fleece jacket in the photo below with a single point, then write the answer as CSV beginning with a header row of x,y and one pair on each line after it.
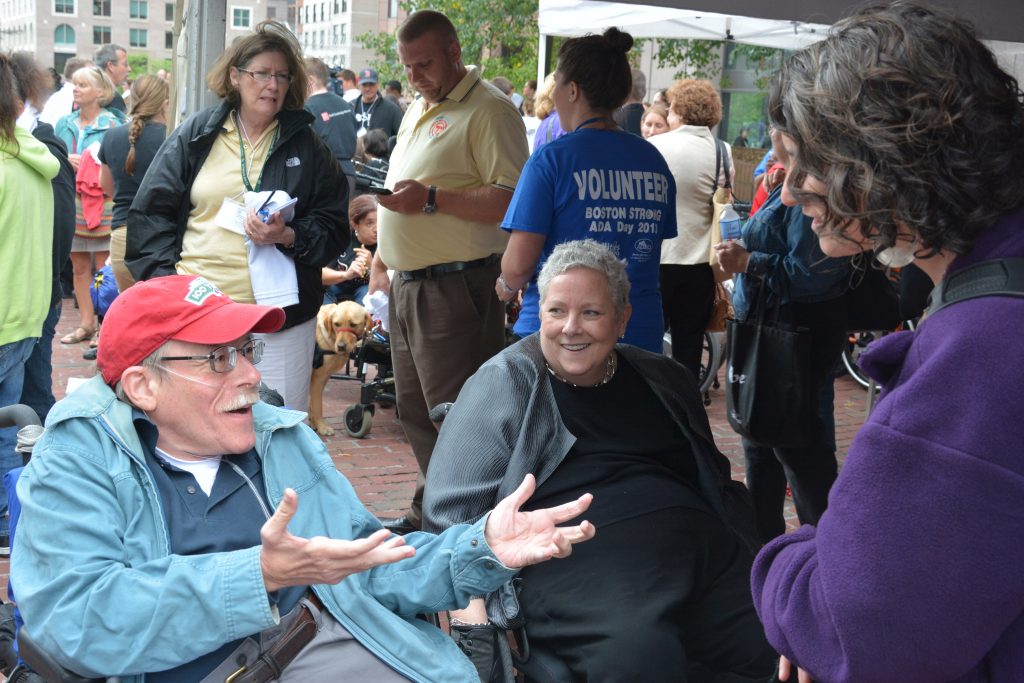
x,y
915,572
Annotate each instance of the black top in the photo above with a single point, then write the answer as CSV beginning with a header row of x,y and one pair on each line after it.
x,y
117,103
381,113
629,452
333,122
113,152
349,287
628,117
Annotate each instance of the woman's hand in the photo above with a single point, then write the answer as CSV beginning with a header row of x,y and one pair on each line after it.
x,y
360,265
75,160
732,257
522,538
274,231
504,291
786,668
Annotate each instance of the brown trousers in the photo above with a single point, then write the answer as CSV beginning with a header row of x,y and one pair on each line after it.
x,y
442,331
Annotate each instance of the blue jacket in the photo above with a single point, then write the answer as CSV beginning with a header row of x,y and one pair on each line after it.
x,y
67,129
785,254
98,587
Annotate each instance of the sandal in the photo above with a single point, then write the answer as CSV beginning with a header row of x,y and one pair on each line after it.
x,y
81,334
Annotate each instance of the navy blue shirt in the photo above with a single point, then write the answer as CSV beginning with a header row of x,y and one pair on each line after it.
x,y
228,519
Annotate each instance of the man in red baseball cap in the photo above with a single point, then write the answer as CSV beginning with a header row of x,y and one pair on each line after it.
x,y
148,540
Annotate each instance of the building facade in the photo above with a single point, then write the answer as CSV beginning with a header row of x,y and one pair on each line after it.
x,y
328,29
56,30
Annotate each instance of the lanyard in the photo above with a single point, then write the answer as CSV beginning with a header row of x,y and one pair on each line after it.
x,y
590,121
241,144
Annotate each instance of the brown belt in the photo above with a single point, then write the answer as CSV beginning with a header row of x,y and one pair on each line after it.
x,y
285,649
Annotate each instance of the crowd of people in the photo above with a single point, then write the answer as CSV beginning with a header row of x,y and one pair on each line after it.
x,y
174,527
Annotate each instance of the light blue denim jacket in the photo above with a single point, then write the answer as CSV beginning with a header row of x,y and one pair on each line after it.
x,y
100,590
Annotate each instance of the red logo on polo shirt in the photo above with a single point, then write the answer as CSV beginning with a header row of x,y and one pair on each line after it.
x,y
439,126
325,116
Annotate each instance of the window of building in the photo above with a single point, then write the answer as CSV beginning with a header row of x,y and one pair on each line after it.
x,y
168,11
241,17
392,9
271,13
64,36
168,40
101,8
100,35
138,37
138,9
63,7
343,40
344,5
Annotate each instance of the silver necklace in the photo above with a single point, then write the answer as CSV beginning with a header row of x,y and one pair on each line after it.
x,y
611,366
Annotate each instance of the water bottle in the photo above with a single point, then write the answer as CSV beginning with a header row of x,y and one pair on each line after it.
x,y
729,222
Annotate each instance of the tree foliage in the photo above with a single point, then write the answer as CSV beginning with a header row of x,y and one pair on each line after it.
x,y
499,36
704,58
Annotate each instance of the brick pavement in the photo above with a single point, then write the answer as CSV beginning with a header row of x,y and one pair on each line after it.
x,y
381,466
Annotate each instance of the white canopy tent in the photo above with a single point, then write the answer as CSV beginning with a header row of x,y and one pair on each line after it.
x,y
579,17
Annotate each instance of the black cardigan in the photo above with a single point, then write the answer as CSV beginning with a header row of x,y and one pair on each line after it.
x,y
300,164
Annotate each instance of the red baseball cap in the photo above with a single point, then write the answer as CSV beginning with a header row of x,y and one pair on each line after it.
x,y
184,307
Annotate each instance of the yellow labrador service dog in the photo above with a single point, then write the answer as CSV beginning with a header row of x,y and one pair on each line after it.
x,y
339,328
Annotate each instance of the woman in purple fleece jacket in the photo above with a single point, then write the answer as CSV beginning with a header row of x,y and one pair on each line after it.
x,y
908,139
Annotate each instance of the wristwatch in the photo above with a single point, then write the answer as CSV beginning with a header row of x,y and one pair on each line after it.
x,y
431,205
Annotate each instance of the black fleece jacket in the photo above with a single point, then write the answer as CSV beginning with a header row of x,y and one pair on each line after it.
x,y
300,164
63,205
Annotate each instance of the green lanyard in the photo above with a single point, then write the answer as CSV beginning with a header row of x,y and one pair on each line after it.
x,y
241,144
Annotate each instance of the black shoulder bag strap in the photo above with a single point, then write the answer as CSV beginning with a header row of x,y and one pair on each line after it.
x,y
718,168
999,277
725,160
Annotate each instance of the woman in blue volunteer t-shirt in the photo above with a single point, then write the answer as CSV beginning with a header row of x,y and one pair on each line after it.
x,y
596,182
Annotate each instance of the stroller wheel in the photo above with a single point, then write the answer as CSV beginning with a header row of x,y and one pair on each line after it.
x,y
358,420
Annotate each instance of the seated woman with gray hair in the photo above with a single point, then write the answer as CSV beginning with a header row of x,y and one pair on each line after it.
x,y
662,593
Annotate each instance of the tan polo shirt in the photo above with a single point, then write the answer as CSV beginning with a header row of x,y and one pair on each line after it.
x,y
472,138
207,249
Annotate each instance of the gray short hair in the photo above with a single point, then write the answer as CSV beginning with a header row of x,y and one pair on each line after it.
x,y
107,55
587,254
152,362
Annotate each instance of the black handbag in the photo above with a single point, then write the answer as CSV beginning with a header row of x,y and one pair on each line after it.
x,y
769,391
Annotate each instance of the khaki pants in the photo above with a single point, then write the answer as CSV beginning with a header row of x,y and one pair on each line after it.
x,y
124,278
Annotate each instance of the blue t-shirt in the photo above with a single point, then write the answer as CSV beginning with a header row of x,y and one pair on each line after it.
x,y
612,187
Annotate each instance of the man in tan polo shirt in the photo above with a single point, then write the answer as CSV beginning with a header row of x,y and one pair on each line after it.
x,y
458,157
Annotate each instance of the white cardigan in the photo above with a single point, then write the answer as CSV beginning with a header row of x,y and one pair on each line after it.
x,y
690,154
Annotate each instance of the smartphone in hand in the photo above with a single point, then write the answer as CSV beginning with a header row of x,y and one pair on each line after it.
x,y
379,189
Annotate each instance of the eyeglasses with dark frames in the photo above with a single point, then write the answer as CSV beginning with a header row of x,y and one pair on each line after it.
x,y
265,76
225,358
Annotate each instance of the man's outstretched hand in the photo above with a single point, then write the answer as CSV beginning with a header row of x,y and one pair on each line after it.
x,y
288,560
522,538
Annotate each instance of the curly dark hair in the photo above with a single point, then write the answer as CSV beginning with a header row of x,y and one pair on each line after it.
x,y
909,122
598,65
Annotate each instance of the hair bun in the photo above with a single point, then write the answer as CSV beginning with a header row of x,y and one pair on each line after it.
x,y
619,39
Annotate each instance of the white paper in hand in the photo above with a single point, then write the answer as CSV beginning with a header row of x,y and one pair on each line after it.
x,y
280,202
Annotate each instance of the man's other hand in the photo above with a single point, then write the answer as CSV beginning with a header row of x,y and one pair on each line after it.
x,y
522,538
410,196
288,560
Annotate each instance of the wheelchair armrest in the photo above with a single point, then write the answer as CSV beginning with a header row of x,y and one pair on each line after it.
x,y
45,665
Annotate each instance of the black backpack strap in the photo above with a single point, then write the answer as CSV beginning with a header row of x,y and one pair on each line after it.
x,y
999,277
